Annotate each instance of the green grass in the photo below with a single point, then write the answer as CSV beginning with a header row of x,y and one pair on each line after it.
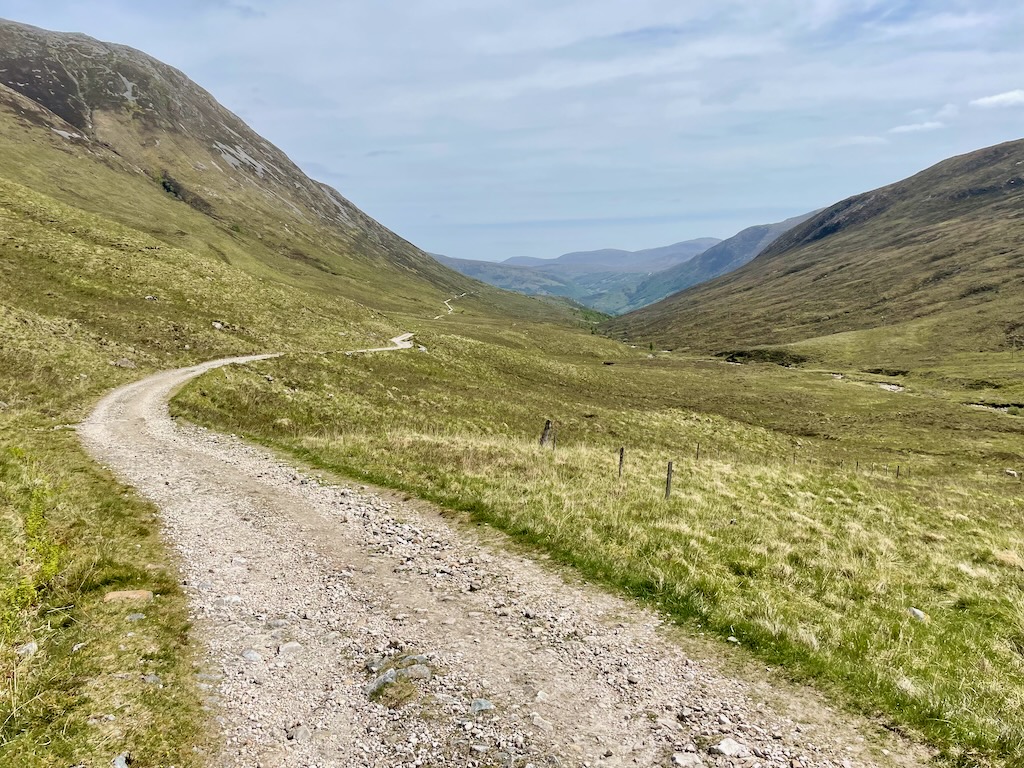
x,y
69,536
775,535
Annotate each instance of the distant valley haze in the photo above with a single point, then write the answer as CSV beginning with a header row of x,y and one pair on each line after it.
x,y
532,129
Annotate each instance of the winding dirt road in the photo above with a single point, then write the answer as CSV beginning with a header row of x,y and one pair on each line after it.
x,y
305,595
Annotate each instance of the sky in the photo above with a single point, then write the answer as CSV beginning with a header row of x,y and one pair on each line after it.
x,y
486,129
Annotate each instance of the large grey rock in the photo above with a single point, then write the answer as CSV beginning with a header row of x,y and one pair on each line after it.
x,y
386,679
480,705
540,722
289,648
730,748
687,760
415,672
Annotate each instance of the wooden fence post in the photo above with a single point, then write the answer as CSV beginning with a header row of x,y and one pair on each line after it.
x,y
897,471
668,481
698,451
622,459
547,435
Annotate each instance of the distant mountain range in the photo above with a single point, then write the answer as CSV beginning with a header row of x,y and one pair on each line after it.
x,y
616,281
615,260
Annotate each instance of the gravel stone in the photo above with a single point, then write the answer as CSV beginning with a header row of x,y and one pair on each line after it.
x,y
730,748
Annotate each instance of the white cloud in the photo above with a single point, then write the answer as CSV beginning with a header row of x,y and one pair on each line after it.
x,y
931,125
947,112
1007,99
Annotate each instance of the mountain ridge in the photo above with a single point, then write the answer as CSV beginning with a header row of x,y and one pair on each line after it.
x,y
136,115
936,259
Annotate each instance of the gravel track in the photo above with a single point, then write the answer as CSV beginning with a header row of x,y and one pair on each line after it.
x,y
304,594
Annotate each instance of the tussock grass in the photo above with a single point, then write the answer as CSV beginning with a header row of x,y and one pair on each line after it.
x,y
811,563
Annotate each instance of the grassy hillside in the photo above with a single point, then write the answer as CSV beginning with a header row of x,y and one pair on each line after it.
x,y
933,265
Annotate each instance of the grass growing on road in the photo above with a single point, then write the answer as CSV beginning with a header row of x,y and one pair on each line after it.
x,y
773,536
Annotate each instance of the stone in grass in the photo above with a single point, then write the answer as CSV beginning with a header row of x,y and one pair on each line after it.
x,y
122,761
730,748
415,672
135,617
386,679
480,705
918,614
124,362
28,649
251,654
142,595
413,659
289,648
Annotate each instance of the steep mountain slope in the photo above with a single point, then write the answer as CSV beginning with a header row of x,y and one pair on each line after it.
x,y
719,259
932,264
113,131
603,280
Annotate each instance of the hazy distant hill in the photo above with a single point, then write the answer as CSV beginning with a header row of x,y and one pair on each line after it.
x,y
513,278
931,264
717,260
614,260
601,279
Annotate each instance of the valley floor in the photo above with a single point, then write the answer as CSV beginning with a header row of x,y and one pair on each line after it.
x,y
307,595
